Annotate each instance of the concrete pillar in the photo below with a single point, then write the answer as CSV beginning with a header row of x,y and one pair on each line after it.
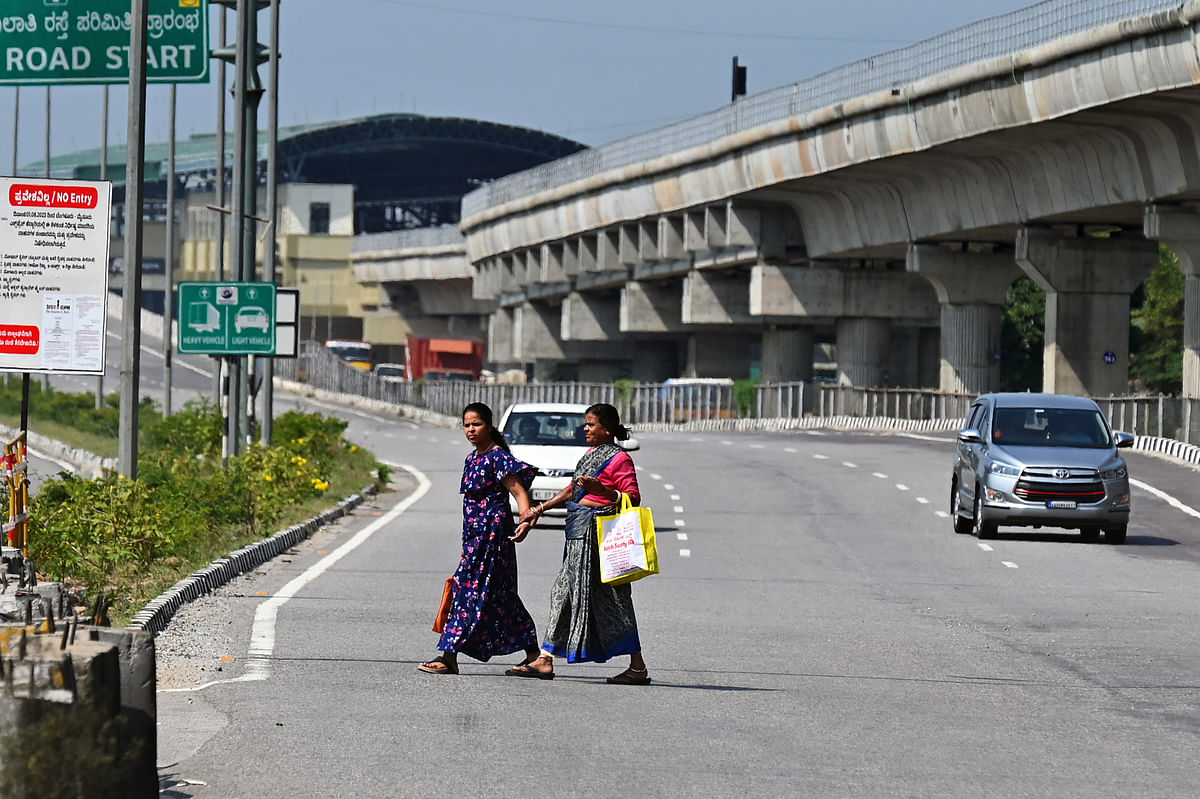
x,y
591,316
787,354
971,290
862,350
1087,281
656,360
1179,229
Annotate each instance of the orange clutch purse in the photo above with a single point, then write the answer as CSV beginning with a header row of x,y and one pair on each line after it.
x,y
439,621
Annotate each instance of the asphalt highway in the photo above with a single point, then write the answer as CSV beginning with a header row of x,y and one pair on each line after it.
x,y
817,630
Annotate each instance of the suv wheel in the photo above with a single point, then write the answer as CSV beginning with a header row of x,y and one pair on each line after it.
x,y
1116,535
981,528
962,524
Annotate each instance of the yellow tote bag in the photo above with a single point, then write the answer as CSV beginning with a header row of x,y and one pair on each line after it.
x,y
628,550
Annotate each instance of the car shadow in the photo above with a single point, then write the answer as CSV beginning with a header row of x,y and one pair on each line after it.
x,y
1076,538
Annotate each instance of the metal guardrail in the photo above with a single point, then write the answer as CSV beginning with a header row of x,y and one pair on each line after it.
x,y
997,36
662,403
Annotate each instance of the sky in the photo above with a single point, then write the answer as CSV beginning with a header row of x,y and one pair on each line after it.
x,y
587,71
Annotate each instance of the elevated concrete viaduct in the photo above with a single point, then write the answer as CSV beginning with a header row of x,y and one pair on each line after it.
x,y
886,206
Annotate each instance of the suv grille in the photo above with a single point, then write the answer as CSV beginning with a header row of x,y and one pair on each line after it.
x,y
1049,484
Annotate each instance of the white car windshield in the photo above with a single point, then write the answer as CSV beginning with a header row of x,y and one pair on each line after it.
x,y
546,428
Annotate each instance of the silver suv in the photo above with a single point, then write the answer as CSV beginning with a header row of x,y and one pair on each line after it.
x,y
1040,459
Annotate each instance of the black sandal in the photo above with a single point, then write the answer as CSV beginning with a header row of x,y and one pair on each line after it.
x,y
447,666
526,670
628,677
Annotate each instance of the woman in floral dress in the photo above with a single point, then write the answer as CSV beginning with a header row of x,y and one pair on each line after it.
x,y
487,617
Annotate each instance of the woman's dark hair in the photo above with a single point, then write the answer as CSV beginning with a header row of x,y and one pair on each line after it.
x,y
610,418
485,413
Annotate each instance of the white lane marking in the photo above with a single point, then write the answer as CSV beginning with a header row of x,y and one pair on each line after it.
x,y
727,443
941,514
789,449
1010,564
1165,497
674,497
678,509
880,475
668,487
655,476
821,457
986,547
920,437
849,465
262,633
680,523
685,553
697,438
922,500
901,487
681,536
756,446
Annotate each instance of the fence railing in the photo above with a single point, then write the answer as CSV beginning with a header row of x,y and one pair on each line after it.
x,y
666,403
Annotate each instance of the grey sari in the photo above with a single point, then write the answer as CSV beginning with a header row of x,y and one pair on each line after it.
x,y
589,620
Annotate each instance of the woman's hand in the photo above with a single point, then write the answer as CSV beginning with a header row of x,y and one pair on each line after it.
x,y
522,530
592,485
531,514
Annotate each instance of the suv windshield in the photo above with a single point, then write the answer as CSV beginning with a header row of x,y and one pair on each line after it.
x,y
1054,427
546,428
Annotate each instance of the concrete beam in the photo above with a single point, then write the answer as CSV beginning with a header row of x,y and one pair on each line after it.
x,y
830,292
536,328
591,317
1087,281
652,307
716,298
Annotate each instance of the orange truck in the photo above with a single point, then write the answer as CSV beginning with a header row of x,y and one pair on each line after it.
x,y
442,358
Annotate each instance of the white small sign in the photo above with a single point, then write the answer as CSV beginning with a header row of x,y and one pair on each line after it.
x,y
54,237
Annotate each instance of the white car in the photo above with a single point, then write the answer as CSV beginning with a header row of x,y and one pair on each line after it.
x,y
550,436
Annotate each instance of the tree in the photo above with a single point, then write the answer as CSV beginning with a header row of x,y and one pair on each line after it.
x,y
1156,333
1022,337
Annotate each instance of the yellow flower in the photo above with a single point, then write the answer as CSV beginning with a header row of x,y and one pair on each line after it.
x,y
267,476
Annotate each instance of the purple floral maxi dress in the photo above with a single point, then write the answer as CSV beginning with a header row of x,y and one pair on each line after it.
x,y
487,617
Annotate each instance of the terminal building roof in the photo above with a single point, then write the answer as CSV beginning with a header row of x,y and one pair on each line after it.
x,y
408,170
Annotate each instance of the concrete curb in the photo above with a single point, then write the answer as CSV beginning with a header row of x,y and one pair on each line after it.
x,y
157,613
1188,453
88,463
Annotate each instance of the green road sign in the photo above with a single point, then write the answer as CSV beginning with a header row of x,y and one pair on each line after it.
x,y
227,318
87,41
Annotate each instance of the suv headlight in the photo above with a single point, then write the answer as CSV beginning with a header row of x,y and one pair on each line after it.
x,y
1005,469
1112,474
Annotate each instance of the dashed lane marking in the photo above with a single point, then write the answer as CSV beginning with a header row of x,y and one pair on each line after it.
x,y
941,514
986,547
880,475
923,500
849,465
674,497
654,476
685,553
821,457
901,487
681,536
680,523
678,509
1010,564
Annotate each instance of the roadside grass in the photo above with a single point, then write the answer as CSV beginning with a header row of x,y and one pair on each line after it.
x,y
103,446
129,540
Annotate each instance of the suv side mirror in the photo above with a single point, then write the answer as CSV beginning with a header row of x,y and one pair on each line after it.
x,y
969,435
1122,439
630,444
